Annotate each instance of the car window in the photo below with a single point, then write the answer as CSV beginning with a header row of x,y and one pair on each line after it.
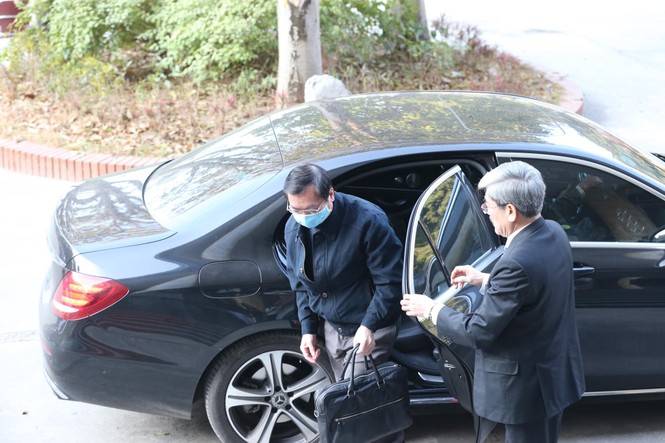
x,y
215,175
446,229
594,205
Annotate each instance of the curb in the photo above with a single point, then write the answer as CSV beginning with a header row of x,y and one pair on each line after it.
x,y
62,164
573,98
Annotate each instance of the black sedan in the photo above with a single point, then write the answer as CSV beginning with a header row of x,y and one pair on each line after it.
x,y
167,283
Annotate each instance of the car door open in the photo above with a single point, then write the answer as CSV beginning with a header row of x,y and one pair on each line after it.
x,y
447,228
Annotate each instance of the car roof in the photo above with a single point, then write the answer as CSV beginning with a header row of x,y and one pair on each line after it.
x,y
387,120
394,122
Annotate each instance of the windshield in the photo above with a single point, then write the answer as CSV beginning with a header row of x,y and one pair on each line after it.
x,y
216,175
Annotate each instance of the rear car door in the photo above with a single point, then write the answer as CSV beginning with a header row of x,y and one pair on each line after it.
x,y
447,228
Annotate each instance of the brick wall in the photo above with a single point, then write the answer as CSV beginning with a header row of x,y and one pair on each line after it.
x,y
62,164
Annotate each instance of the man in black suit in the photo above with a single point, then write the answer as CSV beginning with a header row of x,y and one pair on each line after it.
x,y
528,365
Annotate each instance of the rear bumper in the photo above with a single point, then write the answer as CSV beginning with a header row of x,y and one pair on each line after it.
x,y
61,395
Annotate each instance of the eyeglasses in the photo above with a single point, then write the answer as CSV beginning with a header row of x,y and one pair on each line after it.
x,y
306,211
486,209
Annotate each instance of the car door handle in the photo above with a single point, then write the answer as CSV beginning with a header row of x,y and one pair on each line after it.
x,y
583,271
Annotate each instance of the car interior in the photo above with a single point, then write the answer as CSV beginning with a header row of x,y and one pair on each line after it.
x,y
593,205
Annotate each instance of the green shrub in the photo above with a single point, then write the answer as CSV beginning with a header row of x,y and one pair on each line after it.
x,y
365,30
368,44
30,60
81,28
251,82
205,40
365,43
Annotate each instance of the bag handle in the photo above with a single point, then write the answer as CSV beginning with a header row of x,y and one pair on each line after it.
x,y
352,360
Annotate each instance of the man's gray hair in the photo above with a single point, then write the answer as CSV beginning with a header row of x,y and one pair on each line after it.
x,y
518,183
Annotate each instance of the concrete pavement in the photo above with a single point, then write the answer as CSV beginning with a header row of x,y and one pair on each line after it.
x,y
27,203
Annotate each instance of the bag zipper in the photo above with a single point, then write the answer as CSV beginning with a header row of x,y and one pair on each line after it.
x,y
347,417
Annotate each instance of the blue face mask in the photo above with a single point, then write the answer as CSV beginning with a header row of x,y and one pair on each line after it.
x,y
312,220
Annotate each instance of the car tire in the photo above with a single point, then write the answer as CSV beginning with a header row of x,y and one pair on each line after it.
x,y
262,389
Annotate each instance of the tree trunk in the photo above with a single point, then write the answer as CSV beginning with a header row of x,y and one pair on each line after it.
x,y
299,35
419,7
422,9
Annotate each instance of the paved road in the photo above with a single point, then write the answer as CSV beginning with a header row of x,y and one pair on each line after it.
x,y
615,52
27,203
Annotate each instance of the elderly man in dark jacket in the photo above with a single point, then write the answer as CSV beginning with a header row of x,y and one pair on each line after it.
x,y
528,364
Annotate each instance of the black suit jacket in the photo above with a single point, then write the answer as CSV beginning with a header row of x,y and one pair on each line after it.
x,y
528,363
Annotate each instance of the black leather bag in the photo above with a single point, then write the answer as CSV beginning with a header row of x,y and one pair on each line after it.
x,y
364,407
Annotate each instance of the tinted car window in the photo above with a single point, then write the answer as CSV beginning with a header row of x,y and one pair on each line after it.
x,y
218,173
594,205
449,232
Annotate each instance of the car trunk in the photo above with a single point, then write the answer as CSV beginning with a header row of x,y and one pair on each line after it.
x,y
103,213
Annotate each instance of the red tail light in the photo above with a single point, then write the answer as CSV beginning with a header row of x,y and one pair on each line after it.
x,y
80,295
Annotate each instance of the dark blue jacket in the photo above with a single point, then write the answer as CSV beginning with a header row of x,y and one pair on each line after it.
x,y
357,265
